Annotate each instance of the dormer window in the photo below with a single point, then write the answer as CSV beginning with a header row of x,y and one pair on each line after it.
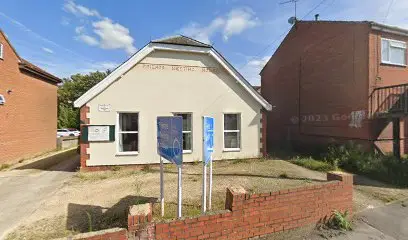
x,y
2,100
1,51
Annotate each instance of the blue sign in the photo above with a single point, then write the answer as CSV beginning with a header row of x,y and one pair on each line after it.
x,y
208,127
170,139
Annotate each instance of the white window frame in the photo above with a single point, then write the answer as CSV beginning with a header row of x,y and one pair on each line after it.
x,y
390,41
1,51
118,132
191,131
226,131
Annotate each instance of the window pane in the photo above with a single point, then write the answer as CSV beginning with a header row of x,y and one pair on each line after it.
x,y
186,141
186,121
129,121
129,142
231,140
385,50
231,122
397,55
397,44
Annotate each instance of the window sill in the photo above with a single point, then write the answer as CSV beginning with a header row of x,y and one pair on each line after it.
x,y
127,153
393,64
187,151
232,149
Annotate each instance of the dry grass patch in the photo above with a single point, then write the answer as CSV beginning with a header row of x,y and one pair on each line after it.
x,y
107,195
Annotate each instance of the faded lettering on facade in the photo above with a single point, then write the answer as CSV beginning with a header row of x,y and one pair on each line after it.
x,y
178,68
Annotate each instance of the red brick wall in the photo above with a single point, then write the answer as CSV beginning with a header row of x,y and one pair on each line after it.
x,y
84,156
385,75
28,120
265,213
316,78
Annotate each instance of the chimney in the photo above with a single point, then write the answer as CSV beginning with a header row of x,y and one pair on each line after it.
x,y
317,17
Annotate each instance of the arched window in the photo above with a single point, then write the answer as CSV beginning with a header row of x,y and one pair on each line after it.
x,y
2,100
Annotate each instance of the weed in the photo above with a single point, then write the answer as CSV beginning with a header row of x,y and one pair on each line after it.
x,y
284,175
196,161
89,221
147,169
116,168
403,204
137,186
4,166
240,160
339,221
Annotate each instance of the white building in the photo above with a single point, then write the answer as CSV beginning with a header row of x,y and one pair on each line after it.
x,y
172,76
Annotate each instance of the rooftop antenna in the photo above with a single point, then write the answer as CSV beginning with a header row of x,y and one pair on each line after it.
x,y
291,1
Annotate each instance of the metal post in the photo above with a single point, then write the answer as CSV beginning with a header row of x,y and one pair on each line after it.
x,y
179,193
204,195
210,183
161,187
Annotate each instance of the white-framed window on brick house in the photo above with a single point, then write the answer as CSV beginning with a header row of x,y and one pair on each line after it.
x,y
232,132
1,51
127,133
393,52
187,131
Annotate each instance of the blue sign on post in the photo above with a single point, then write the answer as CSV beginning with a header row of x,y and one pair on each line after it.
x,y
170,138
208,138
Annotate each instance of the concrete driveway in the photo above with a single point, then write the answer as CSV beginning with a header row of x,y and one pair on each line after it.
x,y
24,191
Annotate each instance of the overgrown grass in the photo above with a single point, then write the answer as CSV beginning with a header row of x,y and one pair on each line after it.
x,y
353,158
4,166
313,164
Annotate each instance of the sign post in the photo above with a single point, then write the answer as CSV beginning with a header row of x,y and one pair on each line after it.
x,y
169,146
208,148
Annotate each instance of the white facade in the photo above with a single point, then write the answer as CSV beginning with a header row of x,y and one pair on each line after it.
x,y
166,82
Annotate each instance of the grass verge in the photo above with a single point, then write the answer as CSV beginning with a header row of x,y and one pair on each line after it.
x,y
313,164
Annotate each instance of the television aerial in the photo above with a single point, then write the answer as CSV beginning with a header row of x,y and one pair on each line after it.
x,y
292,20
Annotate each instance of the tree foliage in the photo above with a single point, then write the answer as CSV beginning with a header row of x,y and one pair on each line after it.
x,y
70,90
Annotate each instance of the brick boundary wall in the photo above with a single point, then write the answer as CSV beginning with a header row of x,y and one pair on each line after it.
x,y
254,215
247,216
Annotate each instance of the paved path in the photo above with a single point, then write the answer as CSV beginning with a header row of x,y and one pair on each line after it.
x,y
388,222
23,191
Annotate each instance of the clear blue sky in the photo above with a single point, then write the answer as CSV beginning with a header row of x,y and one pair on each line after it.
x,y
66,37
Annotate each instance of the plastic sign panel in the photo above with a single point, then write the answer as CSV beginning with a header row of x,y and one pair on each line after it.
x,y
98,133
208,138
170,139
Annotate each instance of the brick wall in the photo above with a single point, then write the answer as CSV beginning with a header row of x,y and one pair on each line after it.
x,y
28,120
84,120
252,215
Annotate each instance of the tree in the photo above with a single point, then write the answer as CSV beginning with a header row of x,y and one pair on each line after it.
x,y
70,90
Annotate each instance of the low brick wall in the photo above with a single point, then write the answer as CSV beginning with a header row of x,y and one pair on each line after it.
x,y
246,215
253,215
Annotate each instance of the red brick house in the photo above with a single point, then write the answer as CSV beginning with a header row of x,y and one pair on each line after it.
x,y
28,106
334,81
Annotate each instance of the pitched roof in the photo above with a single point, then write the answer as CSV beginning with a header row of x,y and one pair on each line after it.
x,y
26,65
182,44
181,40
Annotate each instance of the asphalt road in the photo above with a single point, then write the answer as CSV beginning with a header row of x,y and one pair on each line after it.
x,y
24,191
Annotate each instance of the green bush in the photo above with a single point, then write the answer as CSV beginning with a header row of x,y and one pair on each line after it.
x,y
313,164
353,158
